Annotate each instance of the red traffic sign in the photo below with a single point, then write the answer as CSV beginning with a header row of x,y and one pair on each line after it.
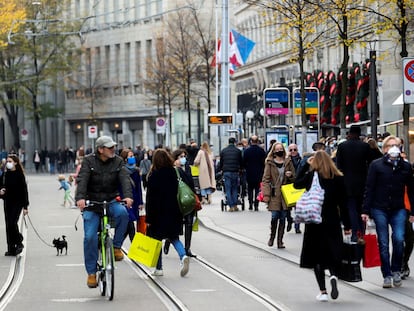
x,y
409,71
92,131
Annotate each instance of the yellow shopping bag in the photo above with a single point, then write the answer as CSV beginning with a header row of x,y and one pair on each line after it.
x,y
145,250
194,171
291,195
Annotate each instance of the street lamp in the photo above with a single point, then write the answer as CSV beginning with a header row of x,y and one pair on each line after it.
x,y
249,117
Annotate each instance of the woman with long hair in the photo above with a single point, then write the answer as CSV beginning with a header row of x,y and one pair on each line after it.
x,y
322,243
164,218
206,177
13,191
278,171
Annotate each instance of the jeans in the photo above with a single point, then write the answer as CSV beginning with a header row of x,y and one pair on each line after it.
x,y
206,192
178,247
281,215
231,183
91,222
395,218
253,189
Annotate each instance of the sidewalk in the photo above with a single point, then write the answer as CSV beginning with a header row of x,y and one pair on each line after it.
x,y
253,228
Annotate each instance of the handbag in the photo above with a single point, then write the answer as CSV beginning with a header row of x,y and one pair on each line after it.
x,y
290,194
145,249
260,196
185,196
141,223
309,206
350,269
371,252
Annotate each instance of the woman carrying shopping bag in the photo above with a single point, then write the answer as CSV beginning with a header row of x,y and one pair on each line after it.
x,y
322,242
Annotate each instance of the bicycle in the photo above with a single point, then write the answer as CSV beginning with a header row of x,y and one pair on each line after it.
x,y
106,257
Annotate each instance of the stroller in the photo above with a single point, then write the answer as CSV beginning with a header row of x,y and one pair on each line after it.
x,y
240,196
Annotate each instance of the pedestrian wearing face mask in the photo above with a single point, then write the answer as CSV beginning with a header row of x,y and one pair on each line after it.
x,y
206,177
279,170
387,179
135,180
13,190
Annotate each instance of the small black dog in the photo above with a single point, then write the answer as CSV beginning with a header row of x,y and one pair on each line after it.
x,y
60,245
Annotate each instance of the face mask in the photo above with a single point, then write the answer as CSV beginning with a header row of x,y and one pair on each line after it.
x,y
394,152
9,165
278,153
131,161
183,161
380,144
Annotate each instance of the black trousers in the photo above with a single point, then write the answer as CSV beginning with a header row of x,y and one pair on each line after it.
x,y
11,216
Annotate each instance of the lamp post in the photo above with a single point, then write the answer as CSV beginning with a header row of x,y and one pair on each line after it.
x,y
249,117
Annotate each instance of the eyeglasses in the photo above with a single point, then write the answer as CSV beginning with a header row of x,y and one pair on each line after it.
x,y
290,150
392,145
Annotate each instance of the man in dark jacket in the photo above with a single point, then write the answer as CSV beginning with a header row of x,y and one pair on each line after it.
x,y
352,158
388,179
99,178
231,164
253,162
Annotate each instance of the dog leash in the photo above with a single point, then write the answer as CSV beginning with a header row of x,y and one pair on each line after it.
x,y
34,229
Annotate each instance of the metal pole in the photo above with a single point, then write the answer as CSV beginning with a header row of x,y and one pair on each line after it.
x,y
373,92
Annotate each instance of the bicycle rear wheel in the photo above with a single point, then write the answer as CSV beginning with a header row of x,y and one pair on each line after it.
x,y
109,269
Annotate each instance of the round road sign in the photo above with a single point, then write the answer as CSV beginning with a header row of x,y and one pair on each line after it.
x,y
409,71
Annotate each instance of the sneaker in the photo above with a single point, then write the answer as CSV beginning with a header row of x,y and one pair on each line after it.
x,y
235,208
322,297
91,281
387,282
231,209
334,284
396,278
185,265
118,254
157,272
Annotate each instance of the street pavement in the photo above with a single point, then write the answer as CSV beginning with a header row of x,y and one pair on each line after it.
x,y
253,228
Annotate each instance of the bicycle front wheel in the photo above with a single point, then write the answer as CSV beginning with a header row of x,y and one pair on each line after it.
x,y
109,268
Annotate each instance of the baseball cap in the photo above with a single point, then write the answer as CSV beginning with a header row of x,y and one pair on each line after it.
x,y
105,141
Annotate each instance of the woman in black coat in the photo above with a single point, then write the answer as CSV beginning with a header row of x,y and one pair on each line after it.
x,y
164,219
14,193
322,243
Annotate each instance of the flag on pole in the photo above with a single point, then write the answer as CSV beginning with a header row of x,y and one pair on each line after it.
x,y
240,48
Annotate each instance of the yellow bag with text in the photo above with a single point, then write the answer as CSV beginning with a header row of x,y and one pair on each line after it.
x,y
145,249
291,195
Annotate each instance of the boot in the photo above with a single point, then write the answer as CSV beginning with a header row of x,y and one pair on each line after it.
x,y
280,232
187,239
272,232
256,205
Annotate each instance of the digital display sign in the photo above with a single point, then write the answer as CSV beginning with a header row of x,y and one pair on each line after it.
x,y
220,118
276,101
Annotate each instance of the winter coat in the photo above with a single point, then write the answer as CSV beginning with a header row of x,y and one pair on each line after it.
x,y
135,181
206,177
353,158
322,243
230,159
16,195
99,180
386,185
272,182
163,213
254,162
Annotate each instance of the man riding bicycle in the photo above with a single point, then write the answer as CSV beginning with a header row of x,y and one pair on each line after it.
x,y
99,178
